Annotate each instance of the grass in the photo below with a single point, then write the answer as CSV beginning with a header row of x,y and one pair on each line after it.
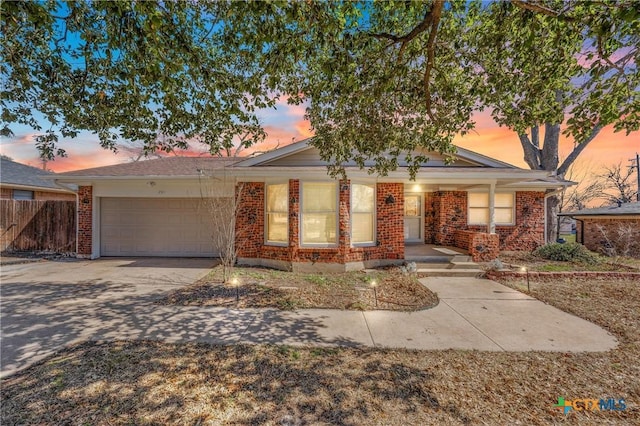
x,y
261,287
536,263
146,383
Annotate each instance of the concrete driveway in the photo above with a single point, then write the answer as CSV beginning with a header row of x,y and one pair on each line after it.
x,y
48,305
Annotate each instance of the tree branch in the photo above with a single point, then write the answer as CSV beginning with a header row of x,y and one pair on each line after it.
x,y
605,58
535,136
539,8
577,150
531,153
430,21
436,12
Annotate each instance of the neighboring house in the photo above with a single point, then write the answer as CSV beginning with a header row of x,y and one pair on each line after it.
x,y
612,230
292,215
22,182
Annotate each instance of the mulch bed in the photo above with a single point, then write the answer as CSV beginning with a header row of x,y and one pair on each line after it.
x,y
267,288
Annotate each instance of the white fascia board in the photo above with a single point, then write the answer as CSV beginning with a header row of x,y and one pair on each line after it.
x,y
475,157
285,151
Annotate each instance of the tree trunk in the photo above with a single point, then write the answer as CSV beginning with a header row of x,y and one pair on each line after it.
x,y
553,228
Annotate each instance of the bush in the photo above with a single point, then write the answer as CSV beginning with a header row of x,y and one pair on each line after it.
x,y
569,252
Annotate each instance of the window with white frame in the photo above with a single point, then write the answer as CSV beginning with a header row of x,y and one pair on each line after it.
x,y
277,212
319,221
479,208
363,207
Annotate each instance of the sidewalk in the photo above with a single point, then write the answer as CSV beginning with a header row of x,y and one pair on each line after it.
x,y
41,317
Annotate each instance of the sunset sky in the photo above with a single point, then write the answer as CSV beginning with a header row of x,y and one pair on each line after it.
x,y
287,124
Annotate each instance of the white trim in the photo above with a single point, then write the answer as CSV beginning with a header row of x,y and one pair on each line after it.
x,y
285,151
301,212
420,217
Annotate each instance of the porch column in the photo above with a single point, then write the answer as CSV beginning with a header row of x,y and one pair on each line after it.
x,y
492,216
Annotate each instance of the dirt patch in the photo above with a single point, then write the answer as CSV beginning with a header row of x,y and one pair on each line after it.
x,y
387,289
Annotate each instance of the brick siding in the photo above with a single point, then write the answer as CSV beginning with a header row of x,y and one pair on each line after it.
x,y
615,236
85,221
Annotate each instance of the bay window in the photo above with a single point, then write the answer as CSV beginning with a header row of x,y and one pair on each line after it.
x,y
363,207
277,213
319,221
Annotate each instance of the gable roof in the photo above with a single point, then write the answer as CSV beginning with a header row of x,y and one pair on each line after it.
x,y
295,151
24,176
615,210
166,166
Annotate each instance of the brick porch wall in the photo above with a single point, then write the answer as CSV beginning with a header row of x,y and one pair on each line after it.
x,y
85,221
389,232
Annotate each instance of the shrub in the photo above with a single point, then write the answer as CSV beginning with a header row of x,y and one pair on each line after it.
x,y
569,252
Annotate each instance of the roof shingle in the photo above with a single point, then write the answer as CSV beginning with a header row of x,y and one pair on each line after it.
x,y
168,166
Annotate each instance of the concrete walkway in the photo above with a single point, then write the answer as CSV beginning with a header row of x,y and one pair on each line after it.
x,y
49,305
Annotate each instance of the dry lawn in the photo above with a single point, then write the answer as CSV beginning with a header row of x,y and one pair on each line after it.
x,y
517,259
262,288
154,383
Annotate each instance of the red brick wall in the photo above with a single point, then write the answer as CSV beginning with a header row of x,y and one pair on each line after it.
x,y
85,220
250,218
617,237
449,215
6,193
389,232
429,218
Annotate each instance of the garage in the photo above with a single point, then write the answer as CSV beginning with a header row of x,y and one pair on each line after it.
x,y
176,227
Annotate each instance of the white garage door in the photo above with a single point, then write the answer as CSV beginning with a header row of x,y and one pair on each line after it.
x,y
155,227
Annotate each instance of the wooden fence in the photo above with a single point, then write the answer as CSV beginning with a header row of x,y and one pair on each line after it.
x,y
30,225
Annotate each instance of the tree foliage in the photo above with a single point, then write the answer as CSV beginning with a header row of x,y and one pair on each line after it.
x,y
380,80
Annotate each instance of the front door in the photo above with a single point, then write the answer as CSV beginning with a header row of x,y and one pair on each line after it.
x,y
413,218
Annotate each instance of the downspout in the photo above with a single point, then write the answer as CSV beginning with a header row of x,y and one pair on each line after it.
x,y
546,224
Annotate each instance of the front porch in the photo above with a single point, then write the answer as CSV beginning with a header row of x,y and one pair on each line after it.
x,y
433,253
441,261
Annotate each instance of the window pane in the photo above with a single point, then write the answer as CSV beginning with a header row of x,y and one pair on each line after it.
x,y
504,215
412,205
19,194
362,198
319,228
362,228
478,216
277,227
504,200
319,197
277,197
478,199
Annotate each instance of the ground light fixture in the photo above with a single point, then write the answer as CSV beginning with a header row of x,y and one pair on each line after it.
x,y
374,284
236,283
526,271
